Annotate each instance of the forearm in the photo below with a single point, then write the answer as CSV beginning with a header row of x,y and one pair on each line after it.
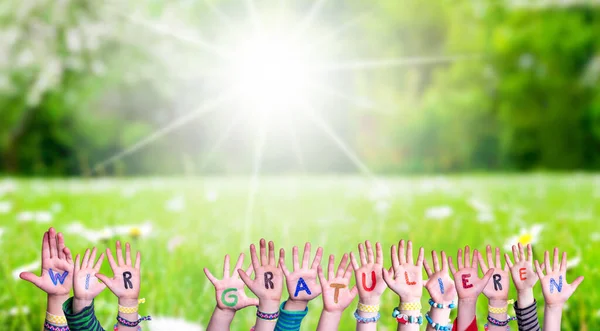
x,y
220,320
498,316
552,317
411,315
291,315
132,317
266,306
527,317
371,326
525,297
54,304
329,321
84,320
438,316
466,313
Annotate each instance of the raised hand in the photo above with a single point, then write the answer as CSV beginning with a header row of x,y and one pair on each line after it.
x,y
523,275
302,283
85,283
229,291
57,266
337,294
555,288
125,283
369,276
497,288
466,279
268,282
439,285
405,277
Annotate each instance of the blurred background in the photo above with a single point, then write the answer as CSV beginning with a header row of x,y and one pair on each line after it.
x,y
372,115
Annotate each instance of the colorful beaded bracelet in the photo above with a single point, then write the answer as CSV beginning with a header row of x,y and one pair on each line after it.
x,y
437,326
267,316
496,322
125,322
486,327
361,319
433,304
52,327
407,319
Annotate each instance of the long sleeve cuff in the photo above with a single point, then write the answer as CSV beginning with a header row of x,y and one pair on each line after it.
x,y
471,327
85,320
289,320
527,318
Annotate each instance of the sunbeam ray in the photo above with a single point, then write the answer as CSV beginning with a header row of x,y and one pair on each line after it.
x,y
310,16
340,29
296,144
397,62
226,20
207,107
359,102
257,162
253,15
220,140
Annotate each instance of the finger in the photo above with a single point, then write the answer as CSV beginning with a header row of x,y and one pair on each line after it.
x,y
378,254
46,246
468,256
401,252
387,278
68,255
322,279
128,254
120,254
459,259
522,252
318,257
353,292
92,258
245,278
538,270
394,254
282,265
271,253
77,264
555,266
427,268
444,261
409,253
370,254
515,254
482,264
436,262
111,259
343,265
489,260
33,279
452,268
98,264
61,246
421,257
86,258
296,263
226,269
529,252
486,278
238,265
347,274
576,283
547,262
210,276
361,253
508,261
563,263
306,256
330,273
498,259
355,265
104,279
53,243
254,257
263,252
476,255
138,260
249,270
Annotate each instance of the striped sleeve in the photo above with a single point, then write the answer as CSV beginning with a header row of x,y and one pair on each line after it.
x,y
85,320
289,320
527,317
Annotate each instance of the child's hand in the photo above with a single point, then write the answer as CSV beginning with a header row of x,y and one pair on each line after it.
x,y
439,285
554,285
302,282
369,278
522,272
407,278
497,288
85,284
466,279
337,296
268,284
125,283
57,266
230,290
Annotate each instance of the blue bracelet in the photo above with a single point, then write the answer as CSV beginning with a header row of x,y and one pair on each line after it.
x,y
360,319
436,326
433,304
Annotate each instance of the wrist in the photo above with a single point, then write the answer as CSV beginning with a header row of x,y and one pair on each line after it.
x,y
410,299
268,306
498,303
55,302
80,304
226,313
525,298
295,305
554,307
128,302
370,301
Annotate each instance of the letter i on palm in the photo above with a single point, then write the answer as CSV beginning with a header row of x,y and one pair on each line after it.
x,y
85,282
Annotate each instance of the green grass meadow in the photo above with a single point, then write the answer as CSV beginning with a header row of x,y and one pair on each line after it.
x,y
196,221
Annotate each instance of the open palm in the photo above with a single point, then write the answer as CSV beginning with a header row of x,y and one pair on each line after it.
x,y
523,275
555,288
308,274
439,285
369,275
405,277
57,266
125,283
229,291
497,288
268,283
466,279
85,283
337,295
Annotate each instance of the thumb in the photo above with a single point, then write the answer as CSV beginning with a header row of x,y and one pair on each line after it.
x,y
104,279
486,278
353,292
576,283
251,302
386,276
32,278
245,278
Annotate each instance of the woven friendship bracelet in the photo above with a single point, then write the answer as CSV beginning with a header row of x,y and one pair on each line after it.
x,y
116,328
437,326
51,327
361,319
367,309
496,322
57,320
501,310
486,327
433,304
125,322
131,310
407,319
410,306
267,316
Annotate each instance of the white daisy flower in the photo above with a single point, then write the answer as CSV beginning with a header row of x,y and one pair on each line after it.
x,y
526,236
5,207
19,310
439,212
25,216
33,266
43,217
172,323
